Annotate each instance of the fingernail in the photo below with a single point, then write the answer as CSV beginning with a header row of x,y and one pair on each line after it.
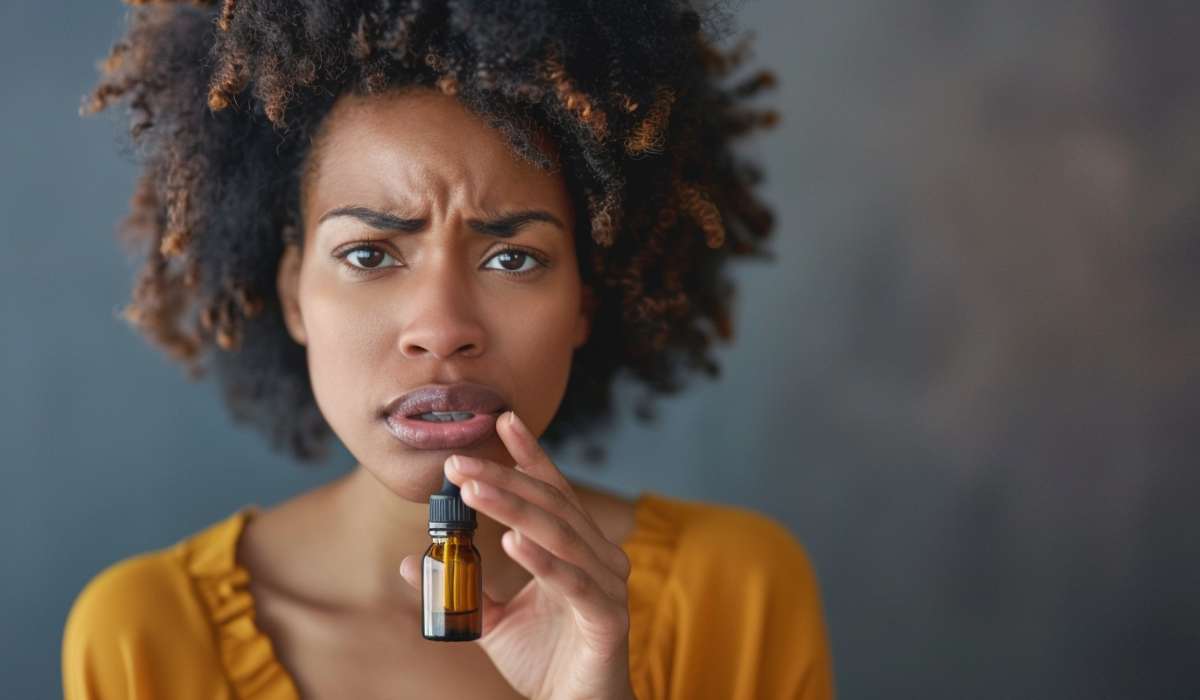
x,y
463,465
518,423
481,489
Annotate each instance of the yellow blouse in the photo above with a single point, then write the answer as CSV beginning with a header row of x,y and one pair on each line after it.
x,y
723,603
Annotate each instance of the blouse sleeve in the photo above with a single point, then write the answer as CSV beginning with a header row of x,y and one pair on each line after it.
x,y
796,656
134,631
738,611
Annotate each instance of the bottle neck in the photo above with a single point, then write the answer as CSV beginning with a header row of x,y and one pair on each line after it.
x,y
451,534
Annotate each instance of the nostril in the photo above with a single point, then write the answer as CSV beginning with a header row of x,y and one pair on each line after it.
x,y
442,337
417,350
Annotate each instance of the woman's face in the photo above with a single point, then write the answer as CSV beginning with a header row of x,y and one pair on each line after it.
x,y
404,281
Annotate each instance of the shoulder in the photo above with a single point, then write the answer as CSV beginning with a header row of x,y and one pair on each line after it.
x,y
137,622
154,590
721,542
736,587
137,596
750,567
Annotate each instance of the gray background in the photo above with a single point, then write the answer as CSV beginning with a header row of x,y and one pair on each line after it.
x,y
968,384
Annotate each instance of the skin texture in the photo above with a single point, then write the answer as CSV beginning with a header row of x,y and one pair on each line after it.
x,y
434,305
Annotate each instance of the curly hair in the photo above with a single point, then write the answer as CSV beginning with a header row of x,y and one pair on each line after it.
x,y
225,99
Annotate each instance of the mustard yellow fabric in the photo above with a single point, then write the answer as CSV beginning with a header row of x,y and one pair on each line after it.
x,y
723,604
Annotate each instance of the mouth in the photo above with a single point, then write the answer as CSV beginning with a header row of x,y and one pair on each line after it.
x,y
444,416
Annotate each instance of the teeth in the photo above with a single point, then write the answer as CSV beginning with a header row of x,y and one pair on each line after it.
x,y
445,416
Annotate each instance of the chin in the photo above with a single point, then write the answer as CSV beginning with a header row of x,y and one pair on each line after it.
x,y
413,478
414,474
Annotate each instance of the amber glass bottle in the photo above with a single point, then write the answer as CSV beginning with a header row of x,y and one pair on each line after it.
x,y
451,571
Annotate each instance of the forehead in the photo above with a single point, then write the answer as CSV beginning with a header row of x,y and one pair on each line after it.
x,y
407,147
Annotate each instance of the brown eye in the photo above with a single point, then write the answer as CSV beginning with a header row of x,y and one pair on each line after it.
x,y
514,261
365,258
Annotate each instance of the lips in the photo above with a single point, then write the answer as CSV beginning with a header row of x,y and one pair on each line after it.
x,y
464,396
400,415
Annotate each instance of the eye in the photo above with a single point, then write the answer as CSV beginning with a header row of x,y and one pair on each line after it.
x,y
365,258
514,261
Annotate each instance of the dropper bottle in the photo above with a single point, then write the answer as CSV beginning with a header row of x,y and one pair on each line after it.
x,y
451,571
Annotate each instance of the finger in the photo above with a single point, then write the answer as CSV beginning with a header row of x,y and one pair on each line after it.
x,y
460,469
546,529
581,590
533,460
410,571
530,456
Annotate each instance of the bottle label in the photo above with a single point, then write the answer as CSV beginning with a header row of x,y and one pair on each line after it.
x,y
450,598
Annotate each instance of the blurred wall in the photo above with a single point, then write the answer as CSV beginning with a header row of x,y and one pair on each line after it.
x,y
968,383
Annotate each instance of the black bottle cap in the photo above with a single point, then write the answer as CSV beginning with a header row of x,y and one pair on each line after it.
x,y
447,510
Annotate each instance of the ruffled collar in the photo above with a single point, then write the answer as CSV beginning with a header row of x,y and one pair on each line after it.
x,y
651,548
222,584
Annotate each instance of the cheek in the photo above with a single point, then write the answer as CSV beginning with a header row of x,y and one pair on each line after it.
x,y
347,344
537,344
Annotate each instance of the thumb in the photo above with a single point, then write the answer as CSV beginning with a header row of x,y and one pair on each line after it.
x,y
410,571
493,613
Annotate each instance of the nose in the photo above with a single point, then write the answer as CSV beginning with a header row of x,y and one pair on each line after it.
x,y
443,315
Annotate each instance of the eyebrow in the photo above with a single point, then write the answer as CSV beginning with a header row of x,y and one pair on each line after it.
x,y
501,226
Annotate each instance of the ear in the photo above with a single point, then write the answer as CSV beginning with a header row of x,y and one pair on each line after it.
x,y
287,284
587,310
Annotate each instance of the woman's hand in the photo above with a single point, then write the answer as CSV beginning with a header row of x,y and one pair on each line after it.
x,y
566,633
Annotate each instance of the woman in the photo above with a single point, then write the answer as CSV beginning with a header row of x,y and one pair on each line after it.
x,y
438,230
